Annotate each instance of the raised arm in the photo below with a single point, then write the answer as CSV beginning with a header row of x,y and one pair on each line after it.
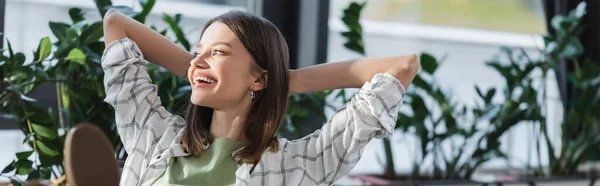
x,y
156,48
353,73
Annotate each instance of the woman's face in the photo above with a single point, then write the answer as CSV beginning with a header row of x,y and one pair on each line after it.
x,y
221,73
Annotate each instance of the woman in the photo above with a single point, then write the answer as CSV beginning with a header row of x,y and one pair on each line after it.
x,y
240,84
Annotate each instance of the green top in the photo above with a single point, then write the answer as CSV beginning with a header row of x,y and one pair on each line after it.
x,y
215,166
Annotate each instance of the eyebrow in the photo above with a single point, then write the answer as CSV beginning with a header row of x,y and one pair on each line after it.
x,y
215,44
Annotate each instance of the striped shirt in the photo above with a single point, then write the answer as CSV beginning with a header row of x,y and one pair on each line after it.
x,y
151,135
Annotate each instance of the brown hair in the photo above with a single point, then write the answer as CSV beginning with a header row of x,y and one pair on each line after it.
x,y
269,51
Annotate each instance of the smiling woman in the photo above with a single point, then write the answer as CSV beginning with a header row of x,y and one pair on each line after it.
x,y
240,79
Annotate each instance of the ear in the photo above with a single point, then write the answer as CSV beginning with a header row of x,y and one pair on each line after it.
x,y
260,82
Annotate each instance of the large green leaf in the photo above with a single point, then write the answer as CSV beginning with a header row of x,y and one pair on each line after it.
x,y
91,34
77,56
46,132
428,63
48,148
60,30
44,49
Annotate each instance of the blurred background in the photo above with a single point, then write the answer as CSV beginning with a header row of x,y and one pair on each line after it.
x,y
507,90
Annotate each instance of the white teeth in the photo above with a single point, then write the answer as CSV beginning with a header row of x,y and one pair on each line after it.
x,y
205,79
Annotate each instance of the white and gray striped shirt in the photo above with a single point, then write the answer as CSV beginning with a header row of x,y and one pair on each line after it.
x,y
151,135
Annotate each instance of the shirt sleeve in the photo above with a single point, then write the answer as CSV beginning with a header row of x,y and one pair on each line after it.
x,y
139,116
331,152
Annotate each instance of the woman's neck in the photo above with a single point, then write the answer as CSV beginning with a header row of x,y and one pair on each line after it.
x,y
228,123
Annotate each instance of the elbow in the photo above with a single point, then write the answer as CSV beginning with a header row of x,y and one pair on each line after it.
x,y
409,67
413,65
110,17
113,23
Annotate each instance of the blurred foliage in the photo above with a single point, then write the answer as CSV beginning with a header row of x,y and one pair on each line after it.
x,y
437,121
581,125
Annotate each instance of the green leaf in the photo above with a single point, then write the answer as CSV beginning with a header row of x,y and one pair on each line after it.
x,y
19,59
351,19
562,23
572,49
15,182
178,31
49,161
23,167
419,82
101,6
490,94
178,18
47,132
76,15
48,148
356,47
44,49
147,6
352,36
76,55
91,34
24,155
580,10
420,109
34,175
428,63
479,91
10,51
9,168
60,30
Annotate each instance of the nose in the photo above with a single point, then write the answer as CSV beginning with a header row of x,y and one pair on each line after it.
x,y
199,62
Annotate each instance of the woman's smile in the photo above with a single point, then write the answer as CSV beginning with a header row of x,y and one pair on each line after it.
x,y
202,80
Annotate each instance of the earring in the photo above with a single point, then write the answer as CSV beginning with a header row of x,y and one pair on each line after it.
x,y
252,95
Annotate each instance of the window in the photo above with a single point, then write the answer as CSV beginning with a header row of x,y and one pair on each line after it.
x,y
524,16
